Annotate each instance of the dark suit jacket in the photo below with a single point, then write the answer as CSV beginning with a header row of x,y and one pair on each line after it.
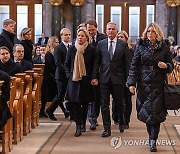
x,y
99,37
40,39
11,68
5,113
38,60
26,65
115,69
59,58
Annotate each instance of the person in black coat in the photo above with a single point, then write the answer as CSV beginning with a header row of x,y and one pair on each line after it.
x,y
5,113
79,66
27,43
8,37
18,52
48,88
150,63
112,65
60,76
7,64
128,96
43,40
94,107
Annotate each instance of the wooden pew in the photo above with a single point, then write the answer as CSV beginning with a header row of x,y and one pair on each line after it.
x,y
28,91
17,112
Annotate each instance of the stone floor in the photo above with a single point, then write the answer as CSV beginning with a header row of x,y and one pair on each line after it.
x,y
58,138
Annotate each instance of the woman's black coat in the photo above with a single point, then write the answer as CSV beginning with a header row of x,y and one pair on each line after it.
x,y
150,81
80,91
49,88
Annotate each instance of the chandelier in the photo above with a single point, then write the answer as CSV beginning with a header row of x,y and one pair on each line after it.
x,y
173,3
77,2
55,2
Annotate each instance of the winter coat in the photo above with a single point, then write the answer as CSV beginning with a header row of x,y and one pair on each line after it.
x,y
150,81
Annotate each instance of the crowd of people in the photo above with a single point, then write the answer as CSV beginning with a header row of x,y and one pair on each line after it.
x,y
86,71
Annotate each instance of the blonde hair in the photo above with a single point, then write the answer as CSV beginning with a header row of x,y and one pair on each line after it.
x,y
157,29
50,44
24,32
126,36
86,33
63,30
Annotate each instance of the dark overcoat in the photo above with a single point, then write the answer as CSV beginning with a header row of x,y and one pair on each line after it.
x,y
150,81
80,91
49,88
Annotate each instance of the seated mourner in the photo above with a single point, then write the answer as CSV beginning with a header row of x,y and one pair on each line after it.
x,y
5,113
6,64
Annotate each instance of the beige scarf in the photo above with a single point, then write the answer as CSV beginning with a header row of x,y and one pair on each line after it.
x,y
79,66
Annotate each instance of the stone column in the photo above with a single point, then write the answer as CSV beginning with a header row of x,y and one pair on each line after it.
x,y
172,22
76,19
56,20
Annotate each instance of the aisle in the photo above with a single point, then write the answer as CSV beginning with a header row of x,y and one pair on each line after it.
x,y
58,138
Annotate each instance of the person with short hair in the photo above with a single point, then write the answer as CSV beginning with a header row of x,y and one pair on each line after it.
x,y
43,40
8,37
41,58
150,64
7,64
60,52
18,52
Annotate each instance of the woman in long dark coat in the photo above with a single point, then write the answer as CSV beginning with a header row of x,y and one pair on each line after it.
x,y
49,89
78,66
148,69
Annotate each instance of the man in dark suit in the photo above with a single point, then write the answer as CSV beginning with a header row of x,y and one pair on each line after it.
x,y
43,40
94,107
7,64
18,52
40,59
60,76
112,62
8,37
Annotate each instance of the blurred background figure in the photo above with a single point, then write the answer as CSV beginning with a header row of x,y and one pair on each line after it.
x,y
43,40
41,58
177,57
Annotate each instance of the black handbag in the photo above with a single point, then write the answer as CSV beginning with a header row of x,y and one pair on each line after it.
x,y
172,95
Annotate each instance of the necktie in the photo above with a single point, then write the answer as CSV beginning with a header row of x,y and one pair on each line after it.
x,y
111,50
93,40
68,47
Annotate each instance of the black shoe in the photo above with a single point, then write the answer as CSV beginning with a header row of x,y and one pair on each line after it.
x,y
43,115
92,126
78,131
152,144
106,133
66,114
83,128
127,126
51,116
121,128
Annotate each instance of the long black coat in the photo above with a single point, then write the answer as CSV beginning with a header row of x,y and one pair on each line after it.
x,y
150,81
80,91
5,113
49,88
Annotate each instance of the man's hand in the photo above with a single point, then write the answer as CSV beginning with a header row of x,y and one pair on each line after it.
x,y
132,89
94,82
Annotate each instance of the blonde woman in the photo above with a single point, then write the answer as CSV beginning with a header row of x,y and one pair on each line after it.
x,y
150,63
48,89
79,66
27,43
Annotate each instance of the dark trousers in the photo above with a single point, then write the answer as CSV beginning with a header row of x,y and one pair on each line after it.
x,y
94,107
153,131
59,98
80,112
117,91
128,107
